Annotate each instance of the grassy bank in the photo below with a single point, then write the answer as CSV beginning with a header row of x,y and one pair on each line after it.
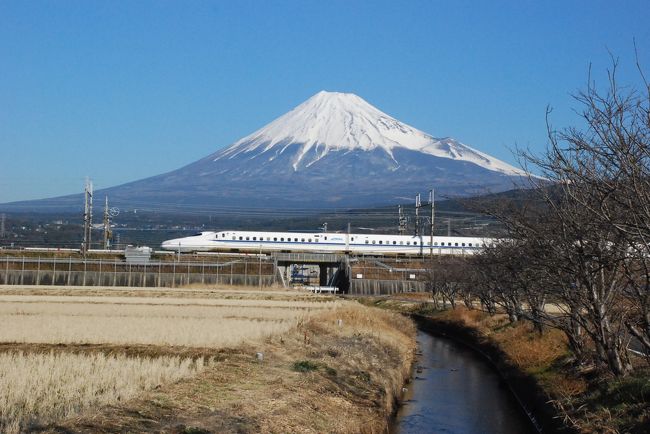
x,y
584,399
325,365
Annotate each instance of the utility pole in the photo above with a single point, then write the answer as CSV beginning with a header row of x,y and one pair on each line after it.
x,y
418,204
401,220
107,226
432,203
3,218
88,215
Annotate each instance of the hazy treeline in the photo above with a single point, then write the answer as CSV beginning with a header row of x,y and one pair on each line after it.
x,y
577,254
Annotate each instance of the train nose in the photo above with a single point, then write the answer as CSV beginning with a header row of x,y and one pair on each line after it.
x,y
168,245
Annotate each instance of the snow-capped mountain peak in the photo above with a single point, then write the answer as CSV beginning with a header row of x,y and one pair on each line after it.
x,y
333,121
334,150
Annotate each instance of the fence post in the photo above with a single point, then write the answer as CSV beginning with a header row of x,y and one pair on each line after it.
x,y
231,273
54,272
101,281
67,281
203,272
159,271
22,271
274,280
84,281
38,271
114,272
144,276
174,275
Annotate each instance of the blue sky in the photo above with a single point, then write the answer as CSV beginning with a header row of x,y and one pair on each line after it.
x,y
123,90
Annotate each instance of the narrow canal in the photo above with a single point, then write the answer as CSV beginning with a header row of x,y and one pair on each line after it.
x,y
456,391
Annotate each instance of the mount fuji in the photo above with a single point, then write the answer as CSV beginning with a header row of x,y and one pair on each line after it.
x,y
333,150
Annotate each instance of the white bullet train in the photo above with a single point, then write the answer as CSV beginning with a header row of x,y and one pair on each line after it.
x,y
323,242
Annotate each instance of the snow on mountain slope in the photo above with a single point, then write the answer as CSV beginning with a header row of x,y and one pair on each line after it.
x,y
334,121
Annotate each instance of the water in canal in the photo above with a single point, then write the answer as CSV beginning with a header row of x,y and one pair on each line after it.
x,y
456,391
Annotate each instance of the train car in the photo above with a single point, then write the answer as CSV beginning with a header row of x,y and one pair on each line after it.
x,y
323,242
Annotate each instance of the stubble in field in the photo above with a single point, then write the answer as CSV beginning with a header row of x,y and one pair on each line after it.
x,y
37,388
153,321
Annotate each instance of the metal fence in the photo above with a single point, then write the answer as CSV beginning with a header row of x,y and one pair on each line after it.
x,y
384,287
80,272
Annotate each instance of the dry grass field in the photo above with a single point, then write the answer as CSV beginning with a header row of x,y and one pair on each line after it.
x,y
197,322
38,388
89,359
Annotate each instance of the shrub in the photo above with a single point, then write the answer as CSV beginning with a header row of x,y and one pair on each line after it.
x,y
305,366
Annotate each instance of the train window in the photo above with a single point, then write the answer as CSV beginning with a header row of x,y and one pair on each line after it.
x,y
470,244
380,242
415,243
449,244
435,243
241,238
463,244
302,240
247,238
401,242
309,240
394,242
234,238
352,238
326,237
275,238
367,241
281,239
456,244
408,243
296,240
373,241
254,238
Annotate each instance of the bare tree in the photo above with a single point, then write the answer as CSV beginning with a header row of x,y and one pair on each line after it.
x,y
604,169
448,280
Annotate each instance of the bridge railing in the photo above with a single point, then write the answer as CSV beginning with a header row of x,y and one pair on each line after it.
x,y
309,257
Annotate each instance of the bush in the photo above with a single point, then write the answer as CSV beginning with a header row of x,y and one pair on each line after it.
x,y
305,366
